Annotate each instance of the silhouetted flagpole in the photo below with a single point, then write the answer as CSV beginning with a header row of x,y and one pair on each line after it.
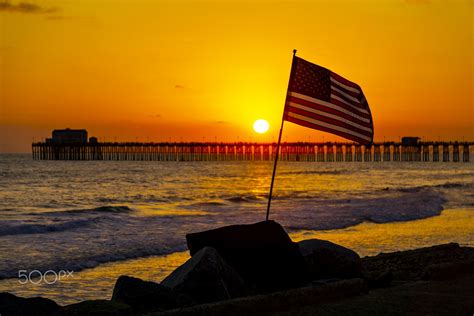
x,y
279,138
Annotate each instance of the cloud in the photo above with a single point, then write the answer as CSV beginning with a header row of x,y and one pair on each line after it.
x,y
178,86
57,17
25,7
155,115
222,122
418,2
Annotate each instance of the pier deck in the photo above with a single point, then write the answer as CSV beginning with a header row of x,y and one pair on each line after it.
x,y
319,152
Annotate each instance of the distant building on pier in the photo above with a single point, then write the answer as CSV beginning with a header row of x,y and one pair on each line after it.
x,y
65,136
410,141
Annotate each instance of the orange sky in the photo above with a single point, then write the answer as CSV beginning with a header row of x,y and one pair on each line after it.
x,y
194,70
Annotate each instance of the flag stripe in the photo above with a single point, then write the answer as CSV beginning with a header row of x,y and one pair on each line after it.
x,y
357,91
308,122
344,95
325,119
341,100
347,101
349,109
294,107
345,114
344,81
339,103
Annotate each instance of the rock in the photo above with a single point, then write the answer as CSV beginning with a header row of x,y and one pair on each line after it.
x,y
379,279
288,302
325,259
146,296
206,277
13,305
448,271
414,264
96,308
262,253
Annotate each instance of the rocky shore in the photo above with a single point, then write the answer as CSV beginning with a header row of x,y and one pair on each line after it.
x,y
256,269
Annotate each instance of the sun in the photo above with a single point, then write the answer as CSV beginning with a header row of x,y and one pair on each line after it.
x,y
261,126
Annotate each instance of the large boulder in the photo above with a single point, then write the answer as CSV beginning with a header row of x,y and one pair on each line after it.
x,y
37,306
325,259
206,277
146,296
262,253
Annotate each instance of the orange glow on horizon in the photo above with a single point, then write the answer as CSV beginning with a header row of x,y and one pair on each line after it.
x,y
172,70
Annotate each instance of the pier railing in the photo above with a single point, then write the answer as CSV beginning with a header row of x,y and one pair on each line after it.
x,y
319,152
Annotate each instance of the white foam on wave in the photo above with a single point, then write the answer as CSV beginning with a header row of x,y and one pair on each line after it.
x,y
9,228
342,213
58,221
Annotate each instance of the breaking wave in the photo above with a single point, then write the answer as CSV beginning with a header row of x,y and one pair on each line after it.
x,y
93,261
342,213
447,185
9,229
60,221
245,198
97,210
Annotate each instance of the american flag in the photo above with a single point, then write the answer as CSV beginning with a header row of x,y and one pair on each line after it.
x,y
320,99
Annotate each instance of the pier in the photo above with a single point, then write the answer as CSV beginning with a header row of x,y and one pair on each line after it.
x,y
244,151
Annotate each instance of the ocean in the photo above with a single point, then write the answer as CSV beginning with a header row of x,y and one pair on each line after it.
x,y
76,215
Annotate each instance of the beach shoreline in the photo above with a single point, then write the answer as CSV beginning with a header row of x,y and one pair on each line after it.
x,y
452,225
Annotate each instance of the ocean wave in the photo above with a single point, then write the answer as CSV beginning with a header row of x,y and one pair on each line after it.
x,y
59,221
24,229
97,210
316,172
54,205
209,203
258,198
245,198
342,213
7,209
87,262
447,185
144,198
104,209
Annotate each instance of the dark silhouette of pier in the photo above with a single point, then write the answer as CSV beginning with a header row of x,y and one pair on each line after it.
x,y
215,151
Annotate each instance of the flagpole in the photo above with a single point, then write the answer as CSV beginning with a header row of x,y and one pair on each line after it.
x,y
279,140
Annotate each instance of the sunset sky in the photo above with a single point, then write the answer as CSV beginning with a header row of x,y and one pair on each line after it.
x,y
206,70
